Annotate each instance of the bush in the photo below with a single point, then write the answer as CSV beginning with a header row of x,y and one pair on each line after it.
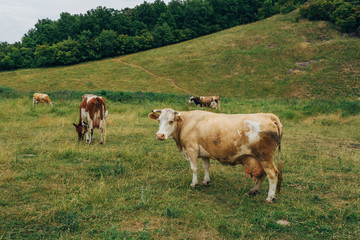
x,y
344,14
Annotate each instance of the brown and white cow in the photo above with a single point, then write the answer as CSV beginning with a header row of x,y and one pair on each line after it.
x,y
207,101
93,113
247,139
41,98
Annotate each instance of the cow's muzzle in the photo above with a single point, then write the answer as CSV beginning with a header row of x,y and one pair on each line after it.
x,y
160,136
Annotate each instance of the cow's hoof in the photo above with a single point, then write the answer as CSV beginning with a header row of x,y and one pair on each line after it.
x,y
252,192
194,185
101,143
269,201
206,184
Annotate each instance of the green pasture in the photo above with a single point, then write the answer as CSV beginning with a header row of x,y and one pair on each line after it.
x,y
135,187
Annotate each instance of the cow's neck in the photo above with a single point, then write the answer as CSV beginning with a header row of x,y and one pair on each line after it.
x,y
177,132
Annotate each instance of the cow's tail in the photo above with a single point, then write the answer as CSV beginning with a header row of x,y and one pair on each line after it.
x,y
103,117
280,177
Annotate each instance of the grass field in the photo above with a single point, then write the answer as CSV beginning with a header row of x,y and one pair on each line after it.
x,y
135,187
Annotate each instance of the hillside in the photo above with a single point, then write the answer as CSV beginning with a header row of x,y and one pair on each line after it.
x,y
278,57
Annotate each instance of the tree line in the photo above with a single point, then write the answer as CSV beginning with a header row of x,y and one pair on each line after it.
x,y
106,32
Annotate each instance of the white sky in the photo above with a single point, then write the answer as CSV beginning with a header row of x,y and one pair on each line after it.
x,y
17,17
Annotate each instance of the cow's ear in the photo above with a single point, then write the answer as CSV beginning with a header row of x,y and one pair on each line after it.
x,y
75,125
154,115
177,116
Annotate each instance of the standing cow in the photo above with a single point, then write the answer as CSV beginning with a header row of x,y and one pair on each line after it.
x,y
41,98
247,139
93,113
209,101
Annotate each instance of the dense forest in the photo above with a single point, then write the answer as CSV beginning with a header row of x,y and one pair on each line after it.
x,y
105,32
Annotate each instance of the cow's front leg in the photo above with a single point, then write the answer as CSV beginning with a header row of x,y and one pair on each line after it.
x,y
102,131
92,134
87,137
192,156
101,135
255,189
194,168
91,128
206,166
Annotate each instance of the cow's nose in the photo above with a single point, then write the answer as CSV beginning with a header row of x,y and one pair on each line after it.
x,y
160,136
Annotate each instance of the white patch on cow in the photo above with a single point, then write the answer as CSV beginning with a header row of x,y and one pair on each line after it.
x,y
89,98
83,115
254,131
213,104
165,127
272,189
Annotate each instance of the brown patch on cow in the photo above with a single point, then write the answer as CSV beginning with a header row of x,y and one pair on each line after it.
x,y
265,148
217,140
272,135
154,115
244,139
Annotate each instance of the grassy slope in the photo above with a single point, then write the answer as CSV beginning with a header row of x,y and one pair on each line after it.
x,y
235,62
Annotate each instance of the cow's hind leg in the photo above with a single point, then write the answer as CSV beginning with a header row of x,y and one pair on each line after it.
x,y
272,172
102,131
206,166
255,189
91,128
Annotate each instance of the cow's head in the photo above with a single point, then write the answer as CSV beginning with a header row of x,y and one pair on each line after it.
x,y
168,120
81,130
191,99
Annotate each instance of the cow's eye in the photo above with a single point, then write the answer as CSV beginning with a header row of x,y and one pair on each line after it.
x,y
158,120
171,122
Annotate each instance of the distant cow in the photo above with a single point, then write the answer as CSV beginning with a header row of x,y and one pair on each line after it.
x,y
247,139
92,115
41,98
209,101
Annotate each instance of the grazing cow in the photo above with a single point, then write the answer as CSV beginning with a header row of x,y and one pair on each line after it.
x,y
41,98
247,139
92,115
212,102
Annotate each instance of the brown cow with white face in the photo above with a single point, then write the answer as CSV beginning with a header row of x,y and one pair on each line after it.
x,y
41,98
247,139
206,101
92,115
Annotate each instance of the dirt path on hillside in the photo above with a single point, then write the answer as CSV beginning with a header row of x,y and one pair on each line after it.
x,y
154,75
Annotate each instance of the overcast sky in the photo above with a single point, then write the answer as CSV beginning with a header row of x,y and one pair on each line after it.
x,y
19,16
